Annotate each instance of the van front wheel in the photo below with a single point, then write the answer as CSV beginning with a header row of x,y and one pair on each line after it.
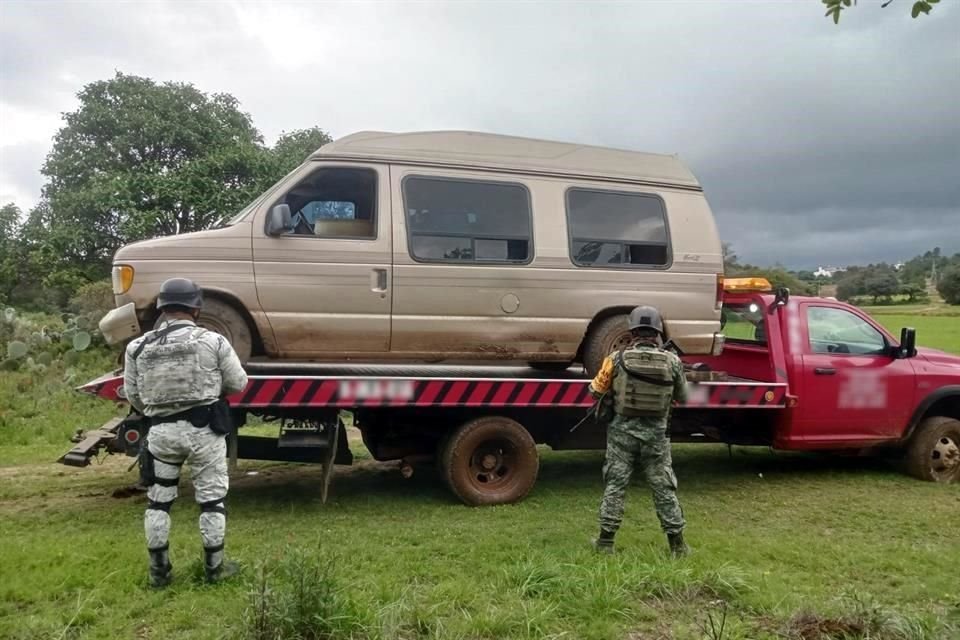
x,y
607,336
220,317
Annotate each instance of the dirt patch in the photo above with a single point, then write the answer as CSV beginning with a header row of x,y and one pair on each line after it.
x,y
809,626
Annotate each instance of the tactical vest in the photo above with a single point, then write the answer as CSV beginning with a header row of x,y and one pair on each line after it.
x,y
643,383
171,368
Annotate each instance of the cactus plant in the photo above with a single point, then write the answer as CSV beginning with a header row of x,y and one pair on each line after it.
x,y
16,349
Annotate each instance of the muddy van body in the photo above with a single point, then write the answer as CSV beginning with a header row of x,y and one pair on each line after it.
x,y
450,246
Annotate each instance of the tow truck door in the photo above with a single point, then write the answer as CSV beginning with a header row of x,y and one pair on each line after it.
x,y
852,389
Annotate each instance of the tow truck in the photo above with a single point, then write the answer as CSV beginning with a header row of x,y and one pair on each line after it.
x,y
795,374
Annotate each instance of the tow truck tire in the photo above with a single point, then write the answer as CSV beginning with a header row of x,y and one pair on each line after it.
x,y
490,460
219,316
934,450
604,338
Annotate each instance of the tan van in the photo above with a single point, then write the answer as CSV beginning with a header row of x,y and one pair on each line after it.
x,y
450,246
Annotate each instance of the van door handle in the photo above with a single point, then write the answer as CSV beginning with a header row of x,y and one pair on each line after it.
x,y
378,280
825,371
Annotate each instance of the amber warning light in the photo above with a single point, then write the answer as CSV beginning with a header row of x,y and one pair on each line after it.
x,y
735,285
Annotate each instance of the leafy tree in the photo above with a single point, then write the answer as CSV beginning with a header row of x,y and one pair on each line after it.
x,y
140,158
949,284
9,250
293,148
835,7
914,292
881,285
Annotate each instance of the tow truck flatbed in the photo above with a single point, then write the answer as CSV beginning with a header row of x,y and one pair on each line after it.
x,y
364,386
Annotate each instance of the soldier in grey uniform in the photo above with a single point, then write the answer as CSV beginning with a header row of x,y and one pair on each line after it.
x,y
643,380
175,375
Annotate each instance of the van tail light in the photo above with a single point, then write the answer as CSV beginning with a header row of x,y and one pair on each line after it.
x,y
719,292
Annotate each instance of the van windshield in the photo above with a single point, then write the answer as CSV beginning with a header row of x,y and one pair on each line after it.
x,y
254,204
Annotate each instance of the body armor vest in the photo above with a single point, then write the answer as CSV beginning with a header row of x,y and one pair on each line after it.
x,y
643,383
172,370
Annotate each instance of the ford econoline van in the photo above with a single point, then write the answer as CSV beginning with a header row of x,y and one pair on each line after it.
x,y
450,246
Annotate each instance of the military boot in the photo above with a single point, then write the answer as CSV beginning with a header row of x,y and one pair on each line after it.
x,y
604,543
217,569
678,548
161,571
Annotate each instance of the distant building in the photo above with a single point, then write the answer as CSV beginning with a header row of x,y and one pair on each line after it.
x,y
898,266
828,272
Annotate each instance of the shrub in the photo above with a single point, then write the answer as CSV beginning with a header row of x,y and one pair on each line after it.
x,y
949,284
93,300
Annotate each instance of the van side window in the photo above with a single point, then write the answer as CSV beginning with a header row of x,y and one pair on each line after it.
x,y
608,228
467,221
335,202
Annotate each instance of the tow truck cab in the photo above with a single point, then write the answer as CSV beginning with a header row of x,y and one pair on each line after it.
x,y
851,384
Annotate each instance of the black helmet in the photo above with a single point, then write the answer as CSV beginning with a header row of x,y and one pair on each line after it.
x,y
179,292
644,317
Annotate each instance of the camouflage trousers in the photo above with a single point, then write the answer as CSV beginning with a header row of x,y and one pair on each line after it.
x,y
643,443
171,444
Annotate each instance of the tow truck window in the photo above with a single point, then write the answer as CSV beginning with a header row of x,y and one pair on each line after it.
x,y
743,323
839,331
610,228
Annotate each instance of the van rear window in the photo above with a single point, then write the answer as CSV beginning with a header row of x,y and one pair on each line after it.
x,y
613,228
467,221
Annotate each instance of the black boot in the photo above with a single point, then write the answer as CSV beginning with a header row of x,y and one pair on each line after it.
x,y
216,568
161,571
604,543
678,548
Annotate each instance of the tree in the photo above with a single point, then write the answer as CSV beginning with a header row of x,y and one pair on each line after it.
x,y
293,148
914,292
9,250
137,159
835,7
949,284
881,285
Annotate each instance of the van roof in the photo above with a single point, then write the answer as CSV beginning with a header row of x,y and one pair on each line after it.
x,y
468,149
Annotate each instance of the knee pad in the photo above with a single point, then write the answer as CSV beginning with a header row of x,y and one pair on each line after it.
x,y
214,506
153,505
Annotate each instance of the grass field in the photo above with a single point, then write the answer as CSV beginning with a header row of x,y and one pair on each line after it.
x,y
786,546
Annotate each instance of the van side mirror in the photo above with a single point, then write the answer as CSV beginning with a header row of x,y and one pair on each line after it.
x,y
908,343
279,220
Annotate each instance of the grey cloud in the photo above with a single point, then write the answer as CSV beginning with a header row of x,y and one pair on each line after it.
x,y
789,121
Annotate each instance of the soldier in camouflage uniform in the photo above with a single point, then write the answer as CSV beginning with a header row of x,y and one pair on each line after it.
x,y
174,375
643,380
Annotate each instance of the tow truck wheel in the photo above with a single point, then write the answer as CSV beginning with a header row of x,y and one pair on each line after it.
x,y
934,450
490,460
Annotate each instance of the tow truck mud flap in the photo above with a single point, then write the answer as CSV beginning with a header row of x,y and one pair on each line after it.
x,y
90,443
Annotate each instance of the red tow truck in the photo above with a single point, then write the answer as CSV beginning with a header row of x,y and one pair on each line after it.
x,y
796,373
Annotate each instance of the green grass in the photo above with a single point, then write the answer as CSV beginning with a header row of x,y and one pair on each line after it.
x,y
774,535
937,332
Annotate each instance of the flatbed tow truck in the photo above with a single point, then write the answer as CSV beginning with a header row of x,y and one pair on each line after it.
x,y
796,374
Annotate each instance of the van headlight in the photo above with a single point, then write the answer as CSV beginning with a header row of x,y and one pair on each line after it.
x,y
122,277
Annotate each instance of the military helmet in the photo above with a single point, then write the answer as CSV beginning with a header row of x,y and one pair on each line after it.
x,y
180,292
644,317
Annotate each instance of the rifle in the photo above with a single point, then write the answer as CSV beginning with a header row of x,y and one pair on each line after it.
x,y
600,411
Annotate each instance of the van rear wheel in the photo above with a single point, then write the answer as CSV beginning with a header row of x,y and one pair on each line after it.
x,y
221,317
490,460
606,336
934,450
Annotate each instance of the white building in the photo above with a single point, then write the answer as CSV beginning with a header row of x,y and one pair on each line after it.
x,y
827,272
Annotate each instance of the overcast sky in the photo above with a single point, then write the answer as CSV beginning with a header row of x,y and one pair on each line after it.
x,y
816,144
